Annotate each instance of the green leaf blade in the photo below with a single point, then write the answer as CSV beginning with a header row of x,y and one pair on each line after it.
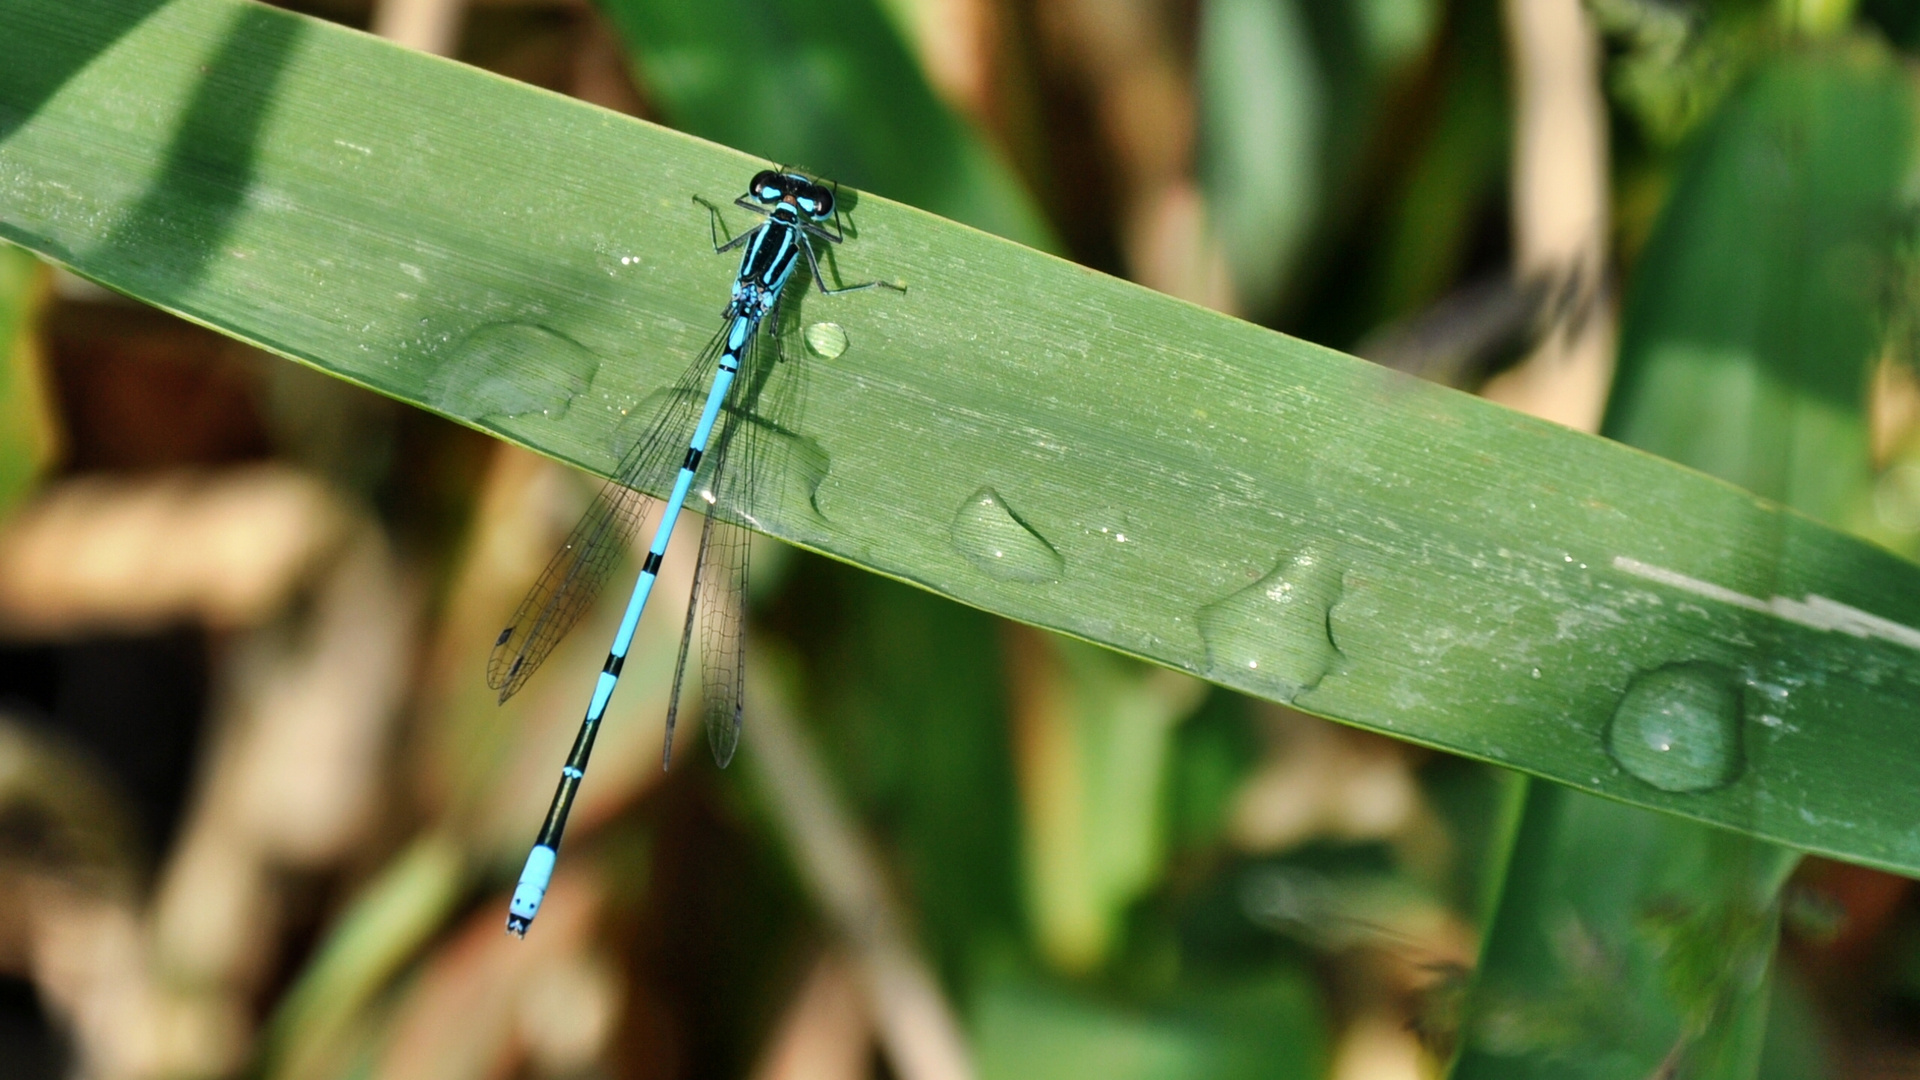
x,y
394,206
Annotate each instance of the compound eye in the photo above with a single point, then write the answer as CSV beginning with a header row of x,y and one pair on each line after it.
x,y
815,201
767,186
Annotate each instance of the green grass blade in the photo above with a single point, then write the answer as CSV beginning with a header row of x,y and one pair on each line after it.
x,y
1745,355
1627,944
27,427
1297,524
1754,319
388,922
1262,118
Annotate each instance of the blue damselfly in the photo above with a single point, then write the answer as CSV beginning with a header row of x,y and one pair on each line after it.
x,y
798,210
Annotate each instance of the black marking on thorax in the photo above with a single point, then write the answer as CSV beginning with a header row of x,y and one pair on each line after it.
x,y
771,255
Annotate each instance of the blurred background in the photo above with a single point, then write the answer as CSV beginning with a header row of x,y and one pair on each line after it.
x,y
259,813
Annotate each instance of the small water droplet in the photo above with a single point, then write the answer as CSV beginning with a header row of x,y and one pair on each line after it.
x,y
825,340
1114,524
504,370
1274,634
1678,727
995,539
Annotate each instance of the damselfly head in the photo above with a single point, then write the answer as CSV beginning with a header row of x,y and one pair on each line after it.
x,y
771,188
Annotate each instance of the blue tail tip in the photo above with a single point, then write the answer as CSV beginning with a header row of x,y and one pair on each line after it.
x,y
531,889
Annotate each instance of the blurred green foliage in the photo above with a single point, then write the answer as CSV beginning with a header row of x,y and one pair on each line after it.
x,y
906,694
26,430
826,85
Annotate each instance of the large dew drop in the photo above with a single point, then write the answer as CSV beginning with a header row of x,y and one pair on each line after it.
x,y
995,539
512,369
1678,727
1274,635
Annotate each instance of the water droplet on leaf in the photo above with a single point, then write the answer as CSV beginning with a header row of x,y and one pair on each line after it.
x,y
506,370
1678,727
995,539
825,340
1274,635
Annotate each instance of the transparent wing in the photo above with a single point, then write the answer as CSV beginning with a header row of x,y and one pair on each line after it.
x,y
746,451
716,581
717,608
723,634
567,588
